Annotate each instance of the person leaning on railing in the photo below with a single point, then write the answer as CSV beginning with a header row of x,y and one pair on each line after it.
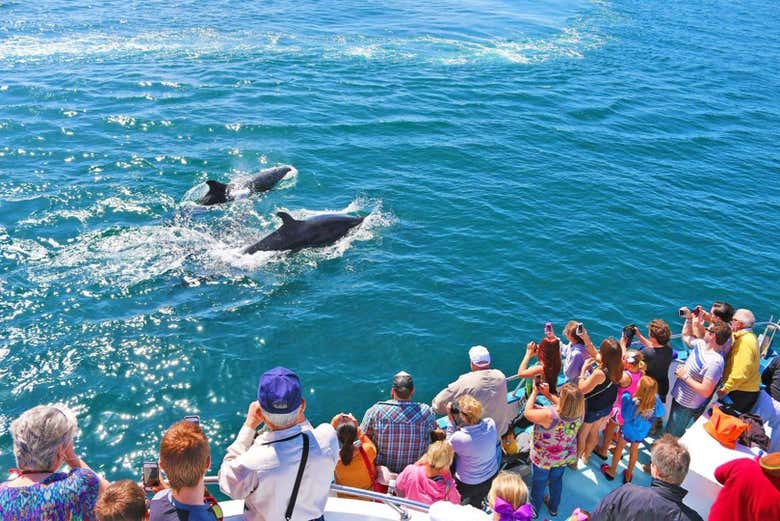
x,y
484,383
43,440
548,353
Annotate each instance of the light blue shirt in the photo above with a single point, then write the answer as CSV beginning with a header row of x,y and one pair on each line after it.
x,y
475,451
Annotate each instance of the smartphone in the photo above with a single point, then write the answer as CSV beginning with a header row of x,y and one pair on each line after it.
x,y
681,311
548,329
151,474
538,381
194,418
579,328
629,332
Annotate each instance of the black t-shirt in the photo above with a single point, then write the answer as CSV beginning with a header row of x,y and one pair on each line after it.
x,y
658,360
771,378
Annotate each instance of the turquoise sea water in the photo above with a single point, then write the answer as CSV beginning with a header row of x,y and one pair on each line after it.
x,y
519,162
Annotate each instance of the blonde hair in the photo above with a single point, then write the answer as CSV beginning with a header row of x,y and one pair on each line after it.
x,y
645,396
639,360
470,408
571,401
509,487
439,455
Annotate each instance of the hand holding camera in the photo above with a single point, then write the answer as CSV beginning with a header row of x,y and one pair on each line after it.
x,y
531,348
254,417
628,333
453,411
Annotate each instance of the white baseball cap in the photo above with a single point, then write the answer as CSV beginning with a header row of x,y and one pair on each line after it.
x,y
479,356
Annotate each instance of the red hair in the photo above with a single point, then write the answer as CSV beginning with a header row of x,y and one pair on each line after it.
x,y
549,355
184,454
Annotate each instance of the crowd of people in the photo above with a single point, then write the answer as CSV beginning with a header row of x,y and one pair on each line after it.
x,y
610,395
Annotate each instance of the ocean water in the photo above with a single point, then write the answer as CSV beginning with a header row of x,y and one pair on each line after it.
x,y
518,162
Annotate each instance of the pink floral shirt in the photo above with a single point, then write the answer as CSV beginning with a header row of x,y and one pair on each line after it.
x,y
556,446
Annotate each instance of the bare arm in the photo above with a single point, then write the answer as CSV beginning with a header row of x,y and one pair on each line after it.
x,y
687,330
592,351
705,388
643,339
540,416
523,371
587,384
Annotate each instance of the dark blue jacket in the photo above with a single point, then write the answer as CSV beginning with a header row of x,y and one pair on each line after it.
x,y
659,501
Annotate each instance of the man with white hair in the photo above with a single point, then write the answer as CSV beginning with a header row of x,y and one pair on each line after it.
x,y
741,376
483,383
284,472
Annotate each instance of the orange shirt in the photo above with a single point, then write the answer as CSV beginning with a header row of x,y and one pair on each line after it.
x,y
356,474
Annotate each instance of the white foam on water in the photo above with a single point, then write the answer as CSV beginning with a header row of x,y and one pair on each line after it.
x,y
126,258
569,42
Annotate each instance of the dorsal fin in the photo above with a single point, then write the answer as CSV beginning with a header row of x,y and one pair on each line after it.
x,y
216,185
287,219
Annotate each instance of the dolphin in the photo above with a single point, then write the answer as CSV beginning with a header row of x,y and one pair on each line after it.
x,y
262,182
310,233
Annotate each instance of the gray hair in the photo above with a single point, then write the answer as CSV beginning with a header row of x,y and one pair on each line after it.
x,y
746,317
39,433
282,420
671,459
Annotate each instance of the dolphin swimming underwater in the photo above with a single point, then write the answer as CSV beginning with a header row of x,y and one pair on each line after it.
x,y
262,182
310,233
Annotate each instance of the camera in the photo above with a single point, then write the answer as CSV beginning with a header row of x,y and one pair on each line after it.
x,y
681,312
151,474
629,332
548,329
454,409
538,381
578,331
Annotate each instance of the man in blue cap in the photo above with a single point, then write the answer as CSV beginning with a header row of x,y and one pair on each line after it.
x,y
285,472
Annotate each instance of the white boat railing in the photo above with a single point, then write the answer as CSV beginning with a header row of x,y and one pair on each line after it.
x,y
399,504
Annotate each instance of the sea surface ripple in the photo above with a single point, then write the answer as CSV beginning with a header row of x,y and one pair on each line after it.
x,y
519,162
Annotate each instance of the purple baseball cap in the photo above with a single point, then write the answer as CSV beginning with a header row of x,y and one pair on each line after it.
x,y
279,391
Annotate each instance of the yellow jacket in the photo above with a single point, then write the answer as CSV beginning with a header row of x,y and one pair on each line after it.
x,y
742,371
